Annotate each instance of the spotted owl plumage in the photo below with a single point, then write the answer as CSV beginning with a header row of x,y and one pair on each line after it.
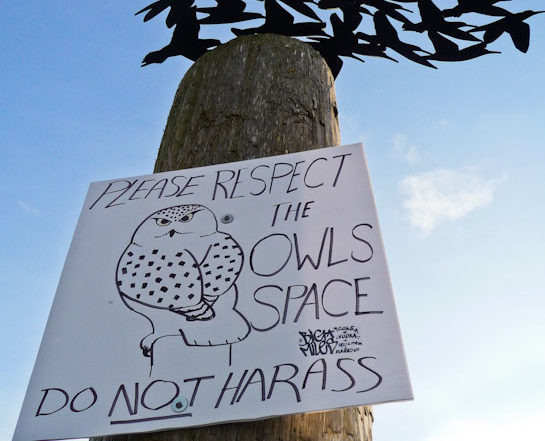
x,y
178,260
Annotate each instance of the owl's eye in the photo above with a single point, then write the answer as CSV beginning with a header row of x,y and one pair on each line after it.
x,y
187,217
162,222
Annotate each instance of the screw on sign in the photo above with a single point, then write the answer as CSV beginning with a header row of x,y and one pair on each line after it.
x,y
180,404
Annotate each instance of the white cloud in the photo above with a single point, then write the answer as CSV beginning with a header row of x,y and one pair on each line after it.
x,y
444,122
27,208
404,150
508,428
444,195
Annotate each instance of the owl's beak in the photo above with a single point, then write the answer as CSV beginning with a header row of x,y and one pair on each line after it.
x,y
172,232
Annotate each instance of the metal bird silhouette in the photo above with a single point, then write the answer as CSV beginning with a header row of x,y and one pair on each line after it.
x,y
447,50
433,20
280,21
227,11
387,35
319,23
177,10
185,40
486,7
514,25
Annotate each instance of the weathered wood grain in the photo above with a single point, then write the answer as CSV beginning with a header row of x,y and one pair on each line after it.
x,y
253,96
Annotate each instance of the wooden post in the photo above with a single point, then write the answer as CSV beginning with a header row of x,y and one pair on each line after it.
x,y
256,96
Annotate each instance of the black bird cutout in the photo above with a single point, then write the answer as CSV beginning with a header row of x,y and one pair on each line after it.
x,y
344,42
280,21
352,35
387,35
177,10
433,20
447,50
185,40
302,8
390,9
352,11
514,25
485,7
227,11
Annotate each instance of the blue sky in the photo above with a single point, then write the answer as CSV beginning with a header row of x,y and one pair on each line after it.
x,y
457,160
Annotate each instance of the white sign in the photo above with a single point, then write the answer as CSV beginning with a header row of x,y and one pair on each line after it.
x,y
223,293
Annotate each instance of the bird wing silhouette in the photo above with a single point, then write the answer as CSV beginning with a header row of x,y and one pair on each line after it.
x,y
227,11
387,35
175,15
302,8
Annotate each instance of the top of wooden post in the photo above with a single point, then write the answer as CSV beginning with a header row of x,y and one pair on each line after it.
x,y
254,96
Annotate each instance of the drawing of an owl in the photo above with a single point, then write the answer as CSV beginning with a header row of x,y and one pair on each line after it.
x,y
178,261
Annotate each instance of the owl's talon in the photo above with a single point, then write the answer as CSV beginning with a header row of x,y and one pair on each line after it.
x,y
209,314
146,345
